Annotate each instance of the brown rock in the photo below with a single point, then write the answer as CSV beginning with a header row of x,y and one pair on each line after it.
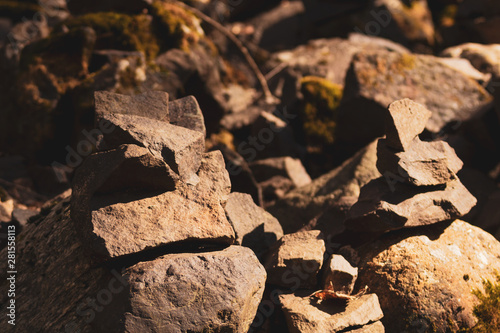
x,y
186,112
254,227
335,192
127,167
424,277
340,275
378,78
124,223
485,58
151,104
384,205
214,178
406,121
180,147
376,327
295,260
422,164
213,291
304,316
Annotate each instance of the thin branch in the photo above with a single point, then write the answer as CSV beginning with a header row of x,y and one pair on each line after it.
x,y
253,65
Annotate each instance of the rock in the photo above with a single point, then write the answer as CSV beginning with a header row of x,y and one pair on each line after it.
x,y
213,291
180,147
221,287
127,167
425,276
339,274
465,67
254,227
378,78
304,316
152,104
214,178
186,112
423,164
124,223
485,58
336,190
385,205
6,206
295,260
288,167
407,120
376,327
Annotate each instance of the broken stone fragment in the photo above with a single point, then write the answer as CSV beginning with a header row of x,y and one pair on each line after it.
x,y
186,112
124,223
204,292
126,167
254,227
421,164
304,316
340,275
406,120
295,260
179,147
385,205
151,104
214,178
287,167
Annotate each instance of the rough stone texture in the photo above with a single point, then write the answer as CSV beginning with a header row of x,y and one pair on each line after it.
x,y
124,223
85,297
214,178
180,147
377,78
288,167
254,227
339,274
151,104
383,205
126,167
295,260
186,112
376,327
304,316
333,192
205,292
423,164
407,120
424,276
485,58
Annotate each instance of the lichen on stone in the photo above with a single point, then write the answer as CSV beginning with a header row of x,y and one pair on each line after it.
x,y
488,309
319,110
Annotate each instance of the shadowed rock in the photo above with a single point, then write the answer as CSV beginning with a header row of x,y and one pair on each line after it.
x,y
186,112
340,275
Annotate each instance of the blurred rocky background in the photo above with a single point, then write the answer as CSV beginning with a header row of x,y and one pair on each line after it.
x,y
212,127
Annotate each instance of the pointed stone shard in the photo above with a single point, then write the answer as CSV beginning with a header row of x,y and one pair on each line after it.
x,y
422,164
405,122
151,104
381,208
214,178
179,147
186,112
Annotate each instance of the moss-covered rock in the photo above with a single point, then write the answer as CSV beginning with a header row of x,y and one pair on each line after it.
x,y
120,31
178,27
488,309
319,115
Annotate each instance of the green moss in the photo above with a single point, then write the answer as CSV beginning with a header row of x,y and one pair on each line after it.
x,y
319,111
120,31
17,10
178,27
488,309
